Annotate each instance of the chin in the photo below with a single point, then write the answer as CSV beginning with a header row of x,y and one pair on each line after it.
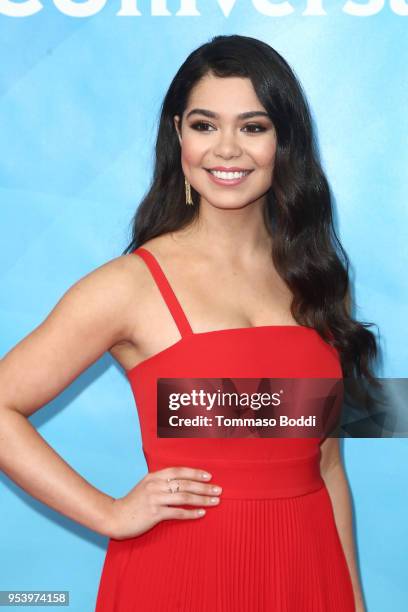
x,y
229,204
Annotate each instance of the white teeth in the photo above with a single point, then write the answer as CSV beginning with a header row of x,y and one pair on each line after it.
x,y
228,175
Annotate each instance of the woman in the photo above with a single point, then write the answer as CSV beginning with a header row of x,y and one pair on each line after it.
x,y
238,273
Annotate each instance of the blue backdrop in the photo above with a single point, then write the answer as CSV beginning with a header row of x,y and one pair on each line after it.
x,y
80,93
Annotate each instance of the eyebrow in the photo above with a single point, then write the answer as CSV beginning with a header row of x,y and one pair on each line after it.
x,y
212,115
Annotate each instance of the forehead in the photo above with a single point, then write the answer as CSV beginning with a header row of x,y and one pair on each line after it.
x,y
224,94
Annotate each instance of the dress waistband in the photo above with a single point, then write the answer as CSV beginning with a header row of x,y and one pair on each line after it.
x,y
256,479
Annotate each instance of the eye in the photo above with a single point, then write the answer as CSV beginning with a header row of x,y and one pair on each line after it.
x,y
257,128
198,125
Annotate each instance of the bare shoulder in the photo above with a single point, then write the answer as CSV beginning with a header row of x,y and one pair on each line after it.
x,y
121,274
121,278
121,285
110,288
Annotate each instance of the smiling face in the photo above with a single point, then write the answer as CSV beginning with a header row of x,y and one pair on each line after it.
x,y
239,150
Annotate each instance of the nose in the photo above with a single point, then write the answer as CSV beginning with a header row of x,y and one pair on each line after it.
x,y
227,145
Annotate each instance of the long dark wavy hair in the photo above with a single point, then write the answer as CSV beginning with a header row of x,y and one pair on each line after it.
x,y
306,253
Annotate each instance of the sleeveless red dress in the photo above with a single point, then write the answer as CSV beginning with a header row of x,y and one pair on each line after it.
x,y
271,544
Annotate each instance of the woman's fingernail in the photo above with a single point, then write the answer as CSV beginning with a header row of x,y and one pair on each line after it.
x,y
206,475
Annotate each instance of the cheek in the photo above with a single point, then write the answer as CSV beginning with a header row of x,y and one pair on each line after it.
x,y
265,155
192,151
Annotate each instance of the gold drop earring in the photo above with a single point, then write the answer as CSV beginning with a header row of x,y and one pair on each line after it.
x,y
189,200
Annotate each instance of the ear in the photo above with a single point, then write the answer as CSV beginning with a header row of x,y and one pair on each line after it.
x,y
177,126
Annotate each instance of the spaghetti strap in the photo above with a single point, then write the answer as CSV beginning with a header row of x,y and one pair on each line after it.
x,y
166,290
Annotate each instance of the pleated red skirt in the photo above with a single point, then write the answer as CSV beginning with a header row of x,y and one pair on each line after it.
x,y
281,555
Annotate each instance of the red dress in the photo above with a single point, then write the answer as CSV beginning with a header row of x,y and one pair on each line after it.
x,y
271,544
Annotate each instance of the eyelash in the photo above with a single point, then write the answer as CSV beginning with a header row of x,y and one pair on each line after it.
x,y
261,128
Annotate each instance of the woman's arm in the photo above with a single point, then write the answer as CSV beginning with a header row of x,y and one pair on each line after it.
x,y
333,474
88,320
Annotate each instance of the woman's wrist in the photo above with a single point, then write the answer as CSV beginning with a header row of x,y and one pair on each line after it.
x,y
107,523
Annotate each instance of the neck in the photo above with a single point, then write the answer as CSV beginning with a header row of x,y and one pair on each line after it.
x,y
231,233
